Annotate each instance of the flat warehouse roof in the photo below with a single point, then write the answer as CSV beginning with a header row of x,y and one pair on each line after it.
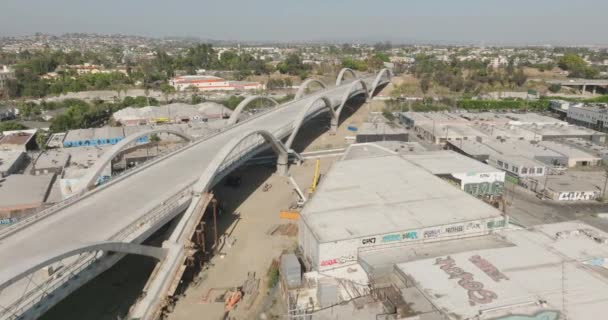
x,y
547,266
447,162
384,194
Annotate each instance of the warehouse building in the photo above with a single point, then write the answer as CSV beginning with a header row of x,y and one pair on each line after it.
x,y
551,272
518,166
445,133
380,131
212,83
93,137
590,116
171,113
472,176
372,202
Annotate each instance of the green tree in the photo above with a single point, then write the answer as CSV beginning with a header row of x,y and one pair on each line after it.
x,y
425,85
167,90
11,125
555,87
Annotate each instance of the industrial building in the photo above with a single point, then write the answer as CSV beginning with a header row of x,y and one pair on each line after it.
x,y
518,166
171,113
550,153
550,272
591,116
443,133
444,127
212,83
370,201
474,177
569,186
380,131
93,137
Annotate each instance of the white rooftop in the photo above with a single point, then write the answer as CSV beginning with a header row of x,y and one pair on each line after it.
x,y
383,194
548,266
447,162
8,159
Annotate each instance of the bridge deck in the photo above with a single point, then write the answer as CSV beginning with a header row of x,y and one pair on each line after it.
x,y
98,217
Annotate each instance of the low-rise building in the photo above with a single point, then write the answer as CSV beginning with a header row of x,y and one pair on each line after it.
x,y
472,176
93,137
51,161
212,83
380,131
20,140
444,133
11,162
23,193
590,116
171,113
519,166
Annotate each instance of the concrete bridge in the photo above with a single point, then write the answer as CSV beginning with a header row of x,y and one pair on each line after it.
x,y
583,84
50,255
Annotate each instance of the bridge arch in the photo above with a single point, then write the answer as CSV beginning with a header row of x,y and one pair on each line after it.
x,y
234,117
302,116
304,86
340,77
223,159
335,121
34,264
88,180
383,72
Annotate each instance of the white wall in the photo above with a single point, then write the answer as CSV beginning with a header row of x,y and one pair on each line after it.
x,y
344,253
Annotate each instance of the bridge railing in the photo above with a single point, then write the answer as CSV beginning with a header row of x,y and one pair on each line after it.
x,y
84,260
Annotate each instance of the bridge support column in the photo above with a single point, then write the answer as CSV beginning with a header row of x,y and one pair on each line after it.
x,y
283,163
584,88
334,126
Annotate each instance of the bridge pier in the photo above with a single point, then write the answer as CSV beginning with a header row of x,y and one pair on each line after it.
x,y
283,163
334,126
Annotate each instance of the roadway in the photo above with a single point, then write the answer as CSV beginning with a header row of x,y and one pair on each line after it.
x,y
103,214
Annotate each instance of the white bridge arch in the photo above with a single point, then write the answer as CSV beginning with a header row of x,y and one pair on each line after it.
x,y
234,117
88,180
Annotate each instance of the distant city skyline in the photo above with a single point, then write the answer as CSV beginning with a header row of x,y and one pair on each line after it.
x,y
489,22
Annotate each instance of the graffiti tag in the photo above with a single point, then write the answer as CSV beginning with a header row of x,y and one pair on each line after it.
x,y
488,268
368,241
475,290
391,238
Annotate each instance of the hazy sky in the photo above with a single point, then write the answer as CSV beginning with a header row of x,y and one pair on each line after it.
x,y
478,21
